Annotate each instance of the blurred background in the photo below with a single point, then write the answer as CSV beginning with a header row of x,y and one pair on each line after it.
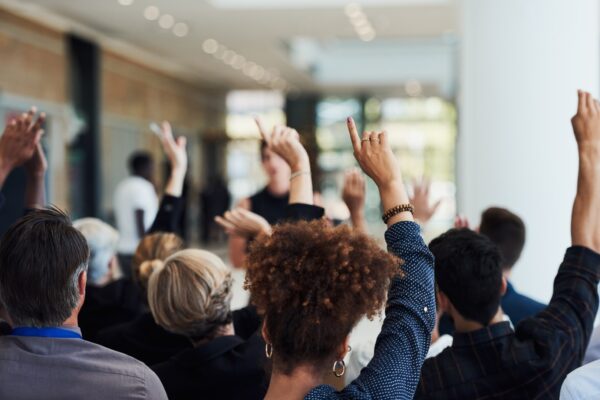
x,y
476,95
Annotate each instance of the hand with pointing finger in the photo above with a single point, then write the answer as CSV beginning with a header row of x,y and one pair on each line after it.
x,y
285,142
375,157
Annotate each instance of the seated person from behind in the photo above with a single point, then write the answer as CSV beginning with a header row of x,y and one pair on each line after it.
x,y
190,295
43,264
488,359
142,338
507,231
108,301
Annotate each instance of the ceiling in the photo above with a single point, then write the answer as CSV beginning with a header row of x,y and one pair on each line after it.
x,y
289,38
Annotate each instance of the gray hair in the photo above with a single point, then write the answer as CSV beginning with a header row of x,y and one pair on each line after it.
x,y
102,240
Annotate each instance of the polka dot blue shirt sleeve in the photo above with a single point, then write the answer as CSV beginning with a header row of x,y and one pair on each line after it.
x,y
402,345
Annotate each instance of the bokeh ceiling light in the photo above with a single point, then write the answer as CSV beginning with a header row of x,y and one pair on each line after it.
x,y
166,21
181,29
151,13
126,2
210,46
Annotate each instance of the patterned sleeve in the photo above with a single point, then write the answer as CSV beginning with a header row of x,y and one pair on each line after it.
x,y
402,345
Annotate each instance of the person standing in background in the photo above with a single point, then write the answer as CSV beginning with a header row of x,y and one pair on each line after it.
x,y
136,204
270,203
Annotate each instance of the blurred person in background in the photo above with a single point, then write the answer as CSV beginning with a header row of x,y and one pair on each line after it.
x,y
109,301
135,206
270,203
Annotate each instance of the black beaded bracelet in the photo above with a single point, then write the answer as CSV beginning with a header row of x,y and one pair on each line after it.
x,y
397,210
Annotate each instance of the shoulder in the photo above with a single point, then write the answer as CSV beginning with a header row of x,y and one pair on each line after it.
x,y
582,383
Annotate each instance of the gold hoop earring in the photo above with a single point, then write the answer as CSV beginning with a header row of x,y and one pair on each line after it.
x,y
269,350
339,368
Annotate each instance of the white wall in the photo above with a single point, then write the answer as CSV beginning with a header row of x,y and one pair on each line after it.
x,y
522,62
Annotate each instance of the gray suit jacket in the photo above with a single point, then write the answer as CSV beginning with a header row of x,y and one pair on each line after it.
x,y
65,369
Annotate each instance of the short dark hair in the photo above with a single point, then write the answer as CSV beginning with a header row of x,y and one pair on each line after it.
x,y
468,271
140,162
41,258
507,231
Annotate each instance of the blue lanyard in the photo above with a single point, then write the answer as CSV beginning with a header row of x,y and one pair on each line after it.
x,y
46,332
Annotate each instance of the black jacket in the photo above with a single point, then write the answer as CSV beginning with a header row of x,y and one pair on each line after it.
x,y
144,340
116,303
227,367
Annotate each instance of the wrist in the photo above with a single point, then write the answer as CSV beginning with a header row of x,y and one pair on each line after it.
x,y
5,169
393,194
301,166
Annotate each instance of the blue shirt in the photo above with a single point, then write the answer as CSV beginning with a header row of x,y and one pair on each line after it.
x,y
394,371
518,307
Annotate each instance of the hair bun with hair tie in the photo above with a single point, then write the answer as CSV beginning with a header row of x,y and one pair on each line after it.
x,y
149,266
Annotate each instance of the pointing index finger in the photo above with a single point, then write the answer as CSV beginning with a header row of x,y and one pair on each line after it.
x,y
353,134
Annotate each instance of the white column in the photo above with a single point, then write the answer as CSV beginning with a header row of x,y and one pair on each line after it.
x,y
522,62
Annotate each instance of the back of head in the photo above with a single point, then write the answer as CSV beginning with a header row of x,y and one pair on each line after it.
x,y
140,163
41,258
190,294
468,271
313,283
507,231
102,240
150,254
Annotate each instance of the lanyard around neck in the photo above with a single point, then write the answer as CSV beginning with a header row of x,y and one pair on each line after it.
x,y
59,333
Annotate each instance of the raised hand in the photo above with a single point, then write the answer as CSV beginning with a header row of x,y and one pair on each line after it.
x,y
242,222
353,192
375,157
285,142
19,141
37,165
175,150
461,222
421,200
586,123
354,195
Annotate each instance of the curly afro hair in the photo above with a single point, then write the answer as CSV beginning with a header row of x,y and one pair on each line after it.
x,y
313,283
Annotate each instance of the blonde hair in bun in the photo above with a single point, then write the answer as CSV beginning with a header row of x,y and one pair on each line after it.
x,y
150,254
148,267
191,294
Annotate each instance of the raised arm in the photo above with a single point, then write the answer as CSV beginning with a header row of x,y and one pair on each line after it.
x,y
285,142
403,342
169,212
421,200
35,188
574,302
585,229
353,194
19,141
